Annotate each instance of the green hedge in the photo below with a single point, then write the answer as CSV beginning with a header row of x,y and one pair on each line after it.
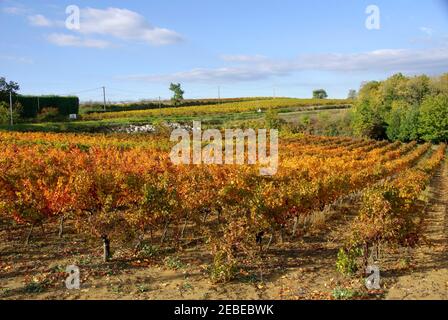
x,y
33,104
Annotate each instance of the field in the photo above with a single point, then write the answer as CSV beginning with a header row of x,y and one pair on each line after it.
x,y
214,114
140,227
230,107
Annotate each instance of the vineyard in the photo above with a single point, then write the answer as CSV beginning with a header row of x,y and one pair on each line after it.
x,y
227,107
124,195
216,167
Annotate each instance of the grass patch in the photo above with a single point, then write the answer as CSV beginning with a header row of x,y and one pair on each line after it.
x,y
35,286
174,263
148,251
344,294
215,120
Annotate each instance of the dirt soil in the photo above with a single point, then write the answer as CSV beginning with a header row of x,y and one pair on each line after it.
x,y
429,278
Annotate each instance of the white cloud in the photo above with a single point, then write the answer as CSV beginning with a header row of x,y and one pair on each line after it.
x,y
387,60
243,58
122,24
206,75
39,20
14,10
67,40
126,25
394,60
22,60
427,30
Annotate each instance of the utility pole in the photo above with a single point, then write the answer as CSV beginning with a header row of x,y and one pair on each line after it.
x,y
160,103
10,106
104,97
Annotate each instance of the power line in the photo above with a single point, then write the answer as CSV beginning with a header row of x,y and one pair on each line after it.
x,y
196,93
127,91
87,90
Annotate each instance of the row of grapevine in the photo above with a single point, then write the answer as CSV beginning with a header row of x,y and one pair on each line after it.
x,y
126,190
230,107
391,212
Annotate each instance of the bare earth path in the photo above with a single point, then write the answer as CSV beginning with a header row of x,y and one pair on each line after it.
x,y
429,279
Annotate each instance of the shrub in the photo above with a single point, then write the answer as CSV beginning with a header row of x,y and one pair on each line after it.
x,y
174,263
148,251
344,294
347,261
49,114
5,116
272,120
223,268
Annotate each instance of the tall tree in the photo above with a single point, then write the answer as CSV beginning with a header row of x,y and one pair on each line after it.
x,y
178,93
320,94
368,115
6,87
434,119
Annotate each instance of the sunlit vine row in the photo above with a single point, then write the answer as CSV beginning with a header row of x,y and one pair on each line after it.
x,y
126,190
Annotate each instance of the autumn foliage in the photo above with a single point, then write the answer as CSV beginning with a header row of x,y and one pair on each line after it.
x,y
125,190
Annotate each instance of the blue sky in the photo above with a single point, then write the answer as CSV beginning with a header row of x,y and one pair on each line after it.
x,y
247,48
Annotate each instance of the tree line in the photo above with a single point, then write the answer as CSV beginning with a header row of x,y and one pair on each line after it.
x,y
403,108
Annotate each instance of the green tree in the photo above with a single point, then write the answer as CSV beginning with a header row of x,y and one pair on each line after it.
x,y
402,122
409,124
417,88
392,89
433,119
368,114
393,120
272,120
320,94
439,85
5,113
178,93
6,87
368,122
393,106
